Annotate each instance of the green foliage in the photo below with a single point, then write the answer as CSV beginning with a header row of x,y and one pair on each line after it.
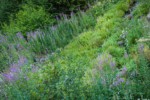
x,y
8,55
7,7
3,58
60,35
93,65
11,49
59,6
142,8
27,19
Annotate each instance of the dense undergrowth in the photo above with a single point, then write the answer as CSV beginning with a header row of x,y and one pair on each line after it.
x,y
28,15
105,61
43,41
9,8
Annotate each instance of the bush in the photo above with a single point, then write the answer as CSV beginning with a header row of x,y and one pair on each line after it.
x,y
7,7
3,58
142,9
76,73
62,6
30,17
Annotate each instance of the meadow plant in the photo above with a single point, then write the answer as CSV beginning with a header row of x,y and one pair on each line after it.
x,y
92,65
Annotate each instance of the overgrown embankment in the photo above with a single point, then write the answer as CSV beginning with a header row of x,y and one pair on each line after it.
x,y
104,62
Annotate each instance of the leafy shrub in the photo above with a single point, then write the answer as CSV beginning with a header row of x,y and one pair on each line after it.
x,y
142,8
27,19
62,6
58,36
70,75
8,55
141,82
12,48
7,7
4,59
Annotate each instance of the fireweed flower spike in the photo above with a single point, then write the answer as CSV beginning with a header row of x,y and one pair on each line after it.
x,y
9,76
118,82
112,64
14,69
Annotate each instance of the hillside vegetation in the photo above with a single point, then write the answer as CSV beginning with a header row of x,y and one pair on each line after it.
x,y
102,53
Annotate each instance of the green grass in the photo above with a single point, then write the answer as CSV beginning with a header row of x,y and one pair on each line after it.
x,y
91,65
67,29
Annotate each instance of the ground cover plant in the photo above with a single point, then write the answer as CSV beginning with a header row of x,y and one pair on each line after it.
x,y
99,54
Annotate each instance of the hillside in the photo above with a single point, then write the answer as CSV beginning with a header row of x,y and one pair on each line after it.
x,y
100,54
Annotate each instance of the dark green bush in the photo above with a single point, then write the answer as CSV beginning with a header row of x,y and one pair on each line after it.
x,y
4,58
30,17
60,35
7,7
62,6
80,71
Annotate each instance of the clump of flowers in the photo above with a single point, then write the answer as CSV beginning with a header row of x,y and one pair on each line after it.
x,y
119,77
106,65
118,82
15,69
105,60
9,76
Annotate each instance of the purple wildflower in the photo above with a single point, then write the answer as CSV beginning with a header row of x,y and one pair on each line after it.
x,y
14,69
122,72
19,47
9,76
101,62
118,82
33,35
124,69
22,61
112,64
19,35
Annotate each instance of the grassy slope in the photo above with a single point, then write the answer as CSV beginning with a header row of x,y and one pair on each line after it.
x,y
52,38
70,73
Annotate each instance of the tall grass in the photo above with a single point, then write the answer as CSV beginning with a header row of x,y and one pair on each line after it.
x,y
59,35
92,66
11,49
47,40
